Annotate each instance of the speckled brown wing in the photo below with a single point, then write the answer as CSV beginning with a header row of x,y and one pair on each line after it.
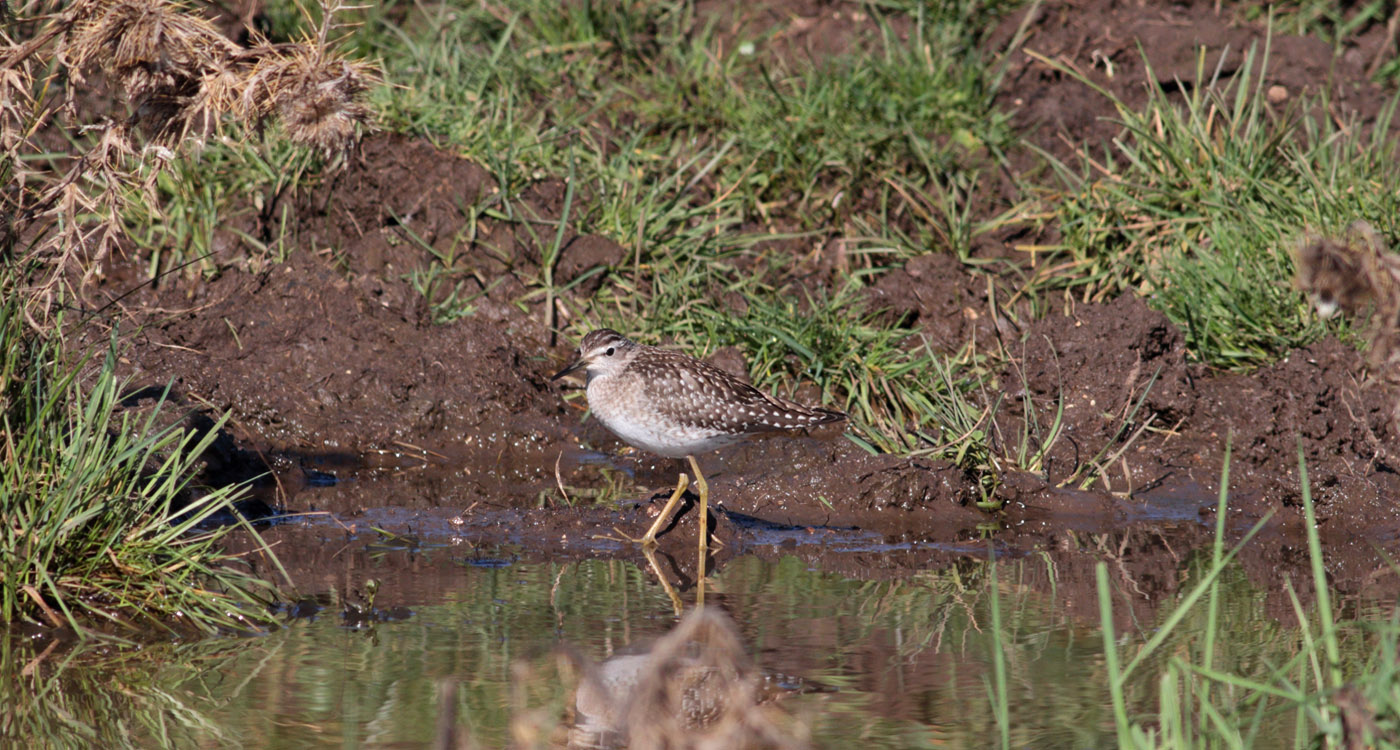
x,y
701,395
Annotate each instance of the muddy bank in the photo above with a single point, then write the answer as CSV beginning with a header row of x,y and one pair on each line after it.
x,y
485,477
452,460
313,358
372,413
1121,370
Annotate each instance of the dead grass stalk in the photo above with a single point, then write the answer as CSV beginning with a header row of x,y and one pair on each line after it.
x,y
181,81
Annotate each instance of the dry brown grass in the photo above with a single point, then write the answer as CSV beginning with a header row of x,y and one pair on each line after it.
x,y
181,80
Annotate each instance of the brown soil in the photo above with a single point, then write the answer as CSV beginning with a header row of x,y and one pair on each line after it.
x,y
1113,44
451,434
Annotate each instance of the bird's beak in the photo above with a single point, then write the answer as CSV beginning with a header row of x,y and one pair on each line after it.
x,y
573,367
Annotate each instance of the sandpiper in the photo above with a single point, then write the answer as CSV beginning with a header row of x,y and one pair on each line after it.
x,y
676,406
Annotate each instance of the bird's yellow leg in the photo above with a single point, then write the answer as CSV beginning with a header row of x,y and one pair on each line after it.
x,y
704,490
649,539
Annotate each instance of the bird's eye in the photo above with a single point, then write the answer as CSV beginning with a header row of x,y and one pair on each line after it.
x,y
609,352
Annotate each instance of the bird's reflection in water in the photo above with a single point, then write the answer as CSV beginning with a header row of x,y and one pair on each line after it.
x,y
694,688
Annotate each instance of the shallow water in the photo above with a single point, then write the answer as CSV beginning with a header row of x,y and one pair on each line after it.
x,y
886,664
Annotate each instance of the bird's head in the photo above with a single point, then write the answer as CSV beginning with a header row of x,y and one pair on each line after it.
x,y
601,352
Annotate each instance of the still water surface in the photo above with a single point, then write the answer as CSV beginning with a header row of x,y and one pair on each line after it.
x,y
885,664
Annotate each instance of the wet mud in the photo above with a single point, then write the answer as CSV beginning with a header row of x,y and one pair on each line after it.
x,y
404,448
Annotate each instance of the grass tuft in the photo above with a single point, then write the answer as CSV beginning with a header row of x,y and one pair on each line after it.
x,y
1197,204
104,530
